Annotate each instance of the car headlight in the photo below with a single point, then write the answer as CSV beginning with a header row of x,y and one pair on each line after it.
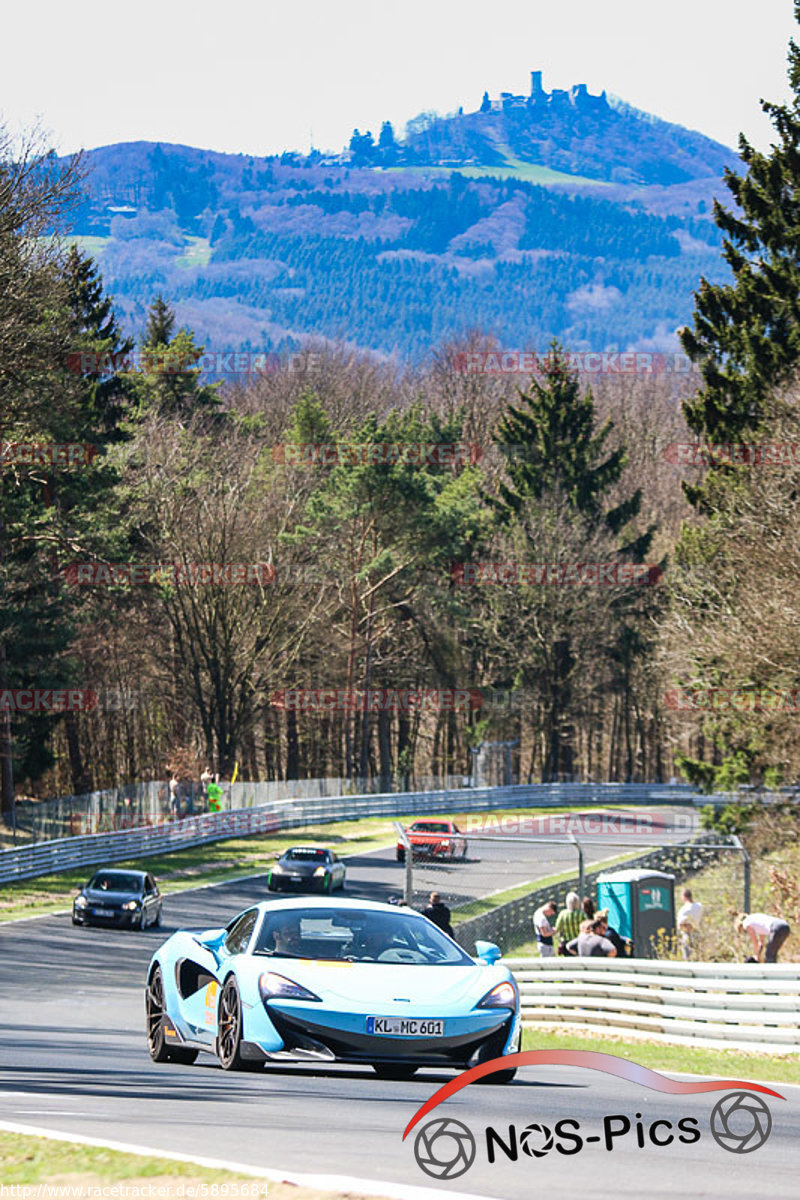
x,y
278,987
81,902
446,844
132,905
502,995
277,869
320,871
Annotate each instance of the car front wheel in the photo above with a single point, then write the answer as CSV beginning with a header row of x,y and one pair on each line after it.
x,y
160,1052
229,1028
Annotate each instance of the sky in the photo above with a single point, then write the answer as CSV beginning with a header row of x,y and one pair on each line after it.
x,y
259,77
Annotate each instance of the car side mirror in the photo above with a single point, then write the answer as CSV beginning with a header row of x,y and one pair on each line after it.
x,y
488,952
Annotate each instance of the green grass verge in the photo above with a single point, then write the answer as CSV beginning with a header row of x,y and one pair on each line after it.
x,y
694,1060
26,1160
231,858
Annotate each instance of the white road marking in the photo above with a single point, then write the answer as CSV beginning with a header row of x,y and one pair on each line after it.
x,y
339,1183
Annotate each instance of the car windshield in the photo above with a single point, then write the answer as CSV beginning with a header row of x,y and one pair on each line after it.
x,y
356,935
305,854
115,881
430,827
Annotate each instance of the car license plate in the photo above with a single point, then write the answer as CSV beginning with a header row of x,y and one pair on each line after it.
x,y
102,912
405,1026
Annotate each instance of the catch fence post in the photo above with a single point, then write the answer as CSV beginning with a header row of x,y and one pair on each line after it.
x,y
409,857
581,869
746,858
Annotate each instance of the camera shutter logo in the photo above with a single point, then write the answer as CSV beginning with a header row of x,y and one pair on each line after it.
x,y
741,1122
444,1148
536,1140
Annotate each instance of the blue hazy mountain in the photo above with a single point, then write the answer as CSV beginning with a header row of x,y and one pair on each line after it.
x,y
552,214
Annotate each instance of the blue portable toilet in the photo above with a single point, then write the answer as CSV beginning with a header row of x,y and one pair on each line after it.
x,y
641,907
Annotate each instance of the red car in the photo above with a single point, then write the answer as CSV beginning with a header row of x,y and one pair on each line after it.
x,y
434,839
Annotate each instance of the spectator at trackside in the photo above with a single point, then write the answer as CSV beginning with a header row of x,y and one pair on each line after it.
x,y
590,942
568,921
174,796
588,908
689,916
438,912
611,934
767,934
205,779
544,930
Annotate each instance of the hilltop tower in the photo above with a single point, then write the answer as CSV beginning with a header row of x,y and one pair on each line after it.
x,y
536,85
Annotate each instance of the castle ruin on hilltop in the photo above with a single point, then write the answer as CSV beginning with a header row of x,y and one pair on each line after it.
x,y
578,96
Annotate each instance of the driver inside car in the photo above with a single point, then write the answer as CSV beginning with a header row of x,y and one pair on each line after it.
x,y
373,940
286,935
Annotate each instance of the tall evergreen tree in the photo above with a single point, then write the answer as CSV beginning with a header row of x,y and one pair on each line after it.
x,y
552,444
559,469
170,382
160,323
746,334
106,390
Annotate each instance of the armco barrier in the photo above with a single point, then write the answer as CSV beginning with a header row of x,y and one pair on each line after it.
x,y
724,1005
44,858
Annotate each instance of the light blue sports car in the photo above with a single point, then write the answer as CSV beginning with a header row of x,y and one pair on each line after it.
x,y
330,980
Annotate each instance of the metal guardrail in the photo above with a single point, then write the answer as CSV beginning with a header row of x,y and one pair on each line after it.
x,y
134,805
43,858
735,1005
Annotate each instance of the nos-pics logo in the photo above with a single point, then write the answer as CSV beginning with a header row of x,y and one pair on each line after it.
x,y
740,1122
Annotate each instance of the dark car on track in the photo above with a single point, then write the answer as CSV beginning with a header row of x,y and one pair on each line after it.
x,y
303,868
118,898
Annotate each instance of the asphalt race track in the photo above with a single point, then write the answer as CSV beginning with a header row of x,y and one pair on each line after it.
x,y
73,1058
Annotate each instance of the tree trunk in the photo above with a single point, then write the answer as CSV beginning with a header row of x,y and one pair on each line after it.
x,y
385,750
292,746
80,781
6,761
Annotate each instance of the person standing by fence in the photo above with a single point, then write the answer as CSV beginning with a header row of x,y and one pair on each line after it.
x,y
174,797
689,916
544,930
438,912
568,921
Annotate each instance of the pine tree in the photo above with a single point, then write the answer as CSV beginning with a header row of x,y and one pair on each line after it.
x,y
160,323
387,145
486,104
170,382
746,334
552,445
556,460
386,141
106,390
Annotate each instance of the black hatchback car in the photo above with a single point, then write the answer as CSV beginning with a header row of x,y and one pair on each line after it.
x,y
118,897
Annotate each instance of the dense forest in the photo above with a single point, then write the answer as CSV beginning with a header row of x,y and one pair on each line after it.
x,y
364,569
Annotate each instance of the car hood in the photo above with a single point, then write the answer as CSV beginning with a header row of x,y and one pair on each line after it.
x,y
300,868
352,985
109,899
